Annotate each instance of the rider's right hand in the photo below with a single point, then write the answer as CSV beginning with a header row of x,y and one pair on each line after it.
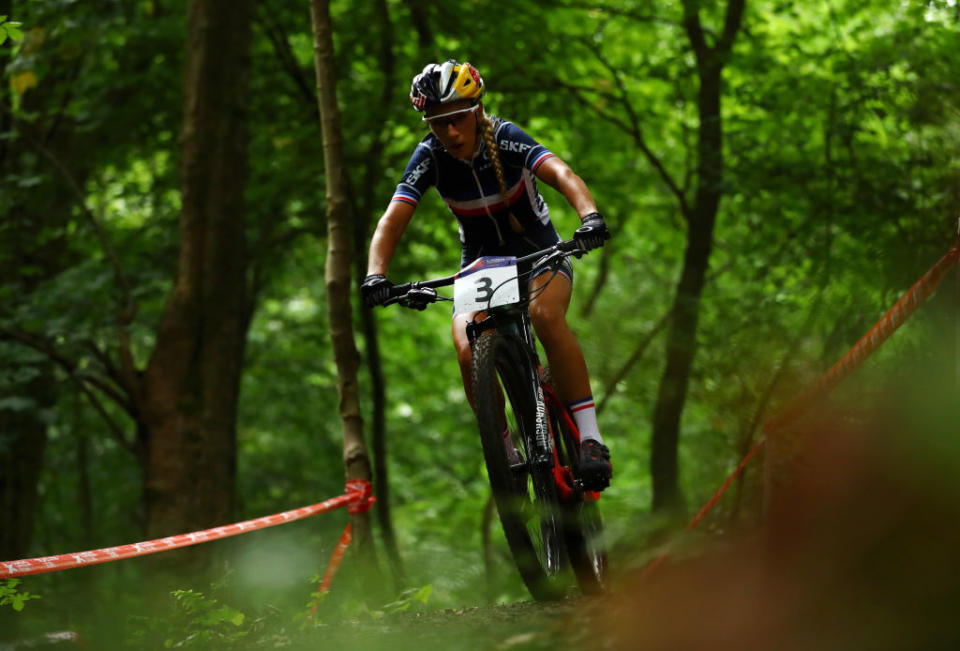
x,y
375,289
592,232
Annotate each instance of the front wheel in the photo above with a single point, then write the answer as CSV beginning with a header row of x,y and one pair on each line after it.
x,y
507,396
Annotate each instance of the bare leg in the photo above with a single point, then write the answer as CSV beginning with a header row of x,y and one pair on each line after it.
x,y
462,345
549,315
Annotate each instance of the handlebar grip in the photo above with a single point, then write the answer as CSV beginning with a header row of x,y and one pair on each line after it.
x,y
397,291
411,295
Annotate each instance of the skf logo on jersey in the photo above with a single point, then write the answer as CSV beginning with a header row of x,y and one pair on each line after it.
x,y
418,99
510,145
417,172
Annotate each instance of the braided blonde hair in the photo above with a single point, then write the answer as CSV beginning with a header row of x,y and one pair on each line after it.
x,y
486,132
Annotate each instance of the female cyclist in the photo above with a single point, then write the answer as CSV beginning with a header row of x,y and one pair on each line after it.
x,y
486,170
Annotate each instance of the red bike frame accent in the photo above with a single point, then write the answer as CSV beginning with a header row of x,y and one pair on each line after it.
x,y
562,475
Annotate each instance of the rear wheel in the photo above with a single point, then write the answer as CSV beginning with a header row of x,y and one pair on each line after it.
x,y
582,524
507,393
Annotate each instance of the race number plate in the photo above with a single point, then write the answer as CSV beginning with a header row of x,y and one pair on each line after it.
x,y
487,282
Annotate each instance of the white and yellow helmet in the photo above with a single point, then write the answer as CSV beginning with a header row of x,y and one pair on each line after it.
x,y
449,81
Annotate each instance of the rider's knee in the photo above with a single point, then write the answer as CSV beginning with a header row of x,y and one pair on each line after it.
x,y
549,323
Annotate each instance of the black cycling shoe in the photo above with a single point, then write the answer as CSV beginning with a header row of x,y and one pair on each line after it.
x,y
595,467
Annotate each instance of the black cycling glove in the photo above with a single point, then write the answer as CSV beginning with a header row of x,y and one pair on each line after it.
x,y
592,232
375,289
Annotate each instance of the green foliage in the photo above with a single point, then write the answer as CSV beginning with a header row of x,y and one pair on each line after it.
x,y
10,30
408,599
11,596
206,621
321,613
840,140
197,621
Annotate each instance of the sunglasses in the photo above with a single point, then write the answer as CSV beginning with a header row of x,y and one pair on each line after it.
x,y
449,119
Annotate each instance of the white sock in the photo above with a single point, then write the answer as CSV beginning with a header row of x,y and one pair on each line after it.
x,y
585,415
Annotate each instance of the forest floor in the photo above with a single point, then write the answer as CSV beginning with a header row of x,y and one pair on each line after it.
x,y
522,625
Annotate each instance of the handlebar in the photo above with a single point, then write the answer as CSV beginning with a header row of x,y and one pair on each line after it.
x,y
420,293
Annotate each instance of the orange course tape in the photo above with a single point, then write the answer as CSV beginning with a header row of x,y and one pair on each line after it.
x,y
870,342
333,565
362,491
358,495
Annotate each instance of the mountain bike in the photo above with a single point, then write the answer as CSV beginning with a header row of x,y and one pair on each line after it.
x,y
549,520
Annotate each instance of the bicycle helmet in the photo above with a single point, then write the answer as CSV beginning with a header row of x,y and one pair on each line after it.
x,y
440,83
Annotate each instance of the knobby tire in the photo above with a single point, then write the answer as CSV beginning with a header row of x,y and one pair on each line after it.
x,y
505,382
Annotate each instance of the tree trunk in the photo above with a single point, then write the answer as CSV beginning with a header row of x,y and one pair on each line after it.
x,y
23,438
29,388
23,435
363,206
337,273
191,386
681,338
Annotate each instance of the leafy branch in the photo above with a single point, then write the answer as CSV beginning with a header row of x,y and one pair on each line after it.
x,y
9,30
631,126
125,376
11,596
83,381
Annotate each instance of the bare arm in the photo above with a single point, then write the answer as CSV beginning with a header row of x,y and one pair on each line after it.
x,y
390,229
558,175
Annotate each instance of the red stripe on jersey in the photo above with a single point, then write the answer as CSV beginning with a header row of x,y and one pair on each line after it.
x,y
400,197
493,207
537,163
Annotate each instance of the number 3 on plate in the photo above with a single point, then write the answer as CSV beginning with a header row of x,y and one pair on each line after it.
x,y
487,282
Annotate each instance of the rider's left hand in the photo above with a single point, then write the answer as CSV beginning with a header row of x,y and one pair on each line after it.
x,y
592,232
375,289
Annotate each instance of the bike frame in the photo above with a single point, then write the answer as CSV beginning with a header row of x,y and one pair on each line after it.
x,y
515,320
567,530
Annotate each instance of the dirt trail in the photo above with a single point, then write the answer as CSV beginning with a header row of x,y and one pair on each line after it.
x,y
524,625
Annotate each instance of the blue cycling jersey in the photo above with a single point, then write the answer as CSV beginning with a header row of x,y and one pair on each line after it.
x,y
471,191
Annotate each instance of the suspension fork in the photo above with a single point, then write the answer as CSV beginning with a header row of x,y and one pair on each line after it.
x,y
545,456
517,323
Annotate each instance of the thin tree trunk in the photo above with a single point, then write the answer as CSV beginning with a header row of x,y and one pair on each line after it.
x,y
338,274
190,389
363,212
23,439
701,218
6,9
748,435
681,349
421,24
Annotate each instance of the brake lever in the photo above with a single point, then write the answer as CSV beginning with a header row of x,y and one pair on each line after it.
x,y
418,298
